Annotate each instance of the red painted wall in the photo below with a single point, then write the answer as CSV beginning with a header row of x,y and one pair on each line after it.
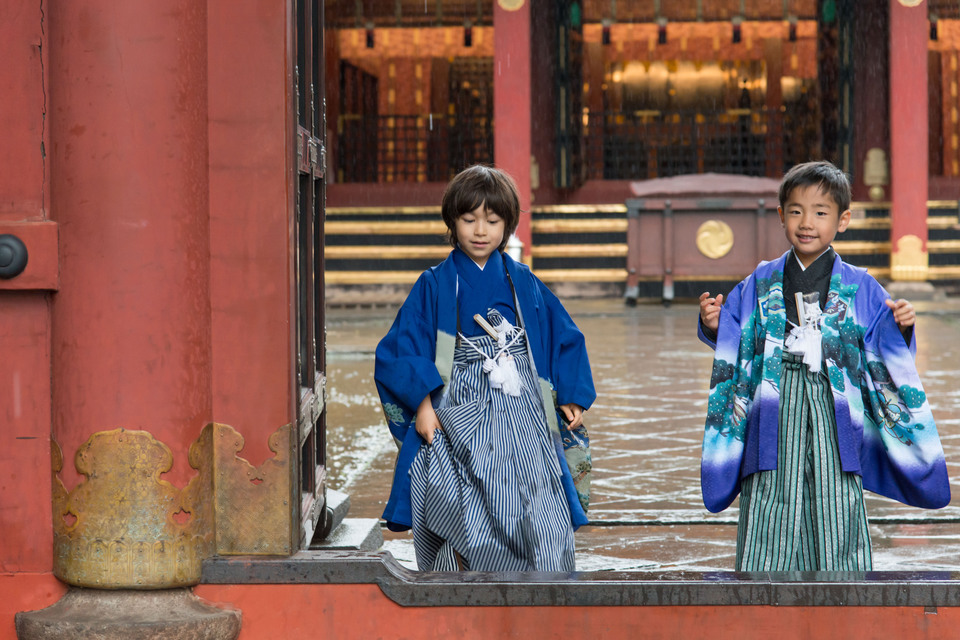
x,y
25,592
362,611
26,534
107,133
251,188
24,192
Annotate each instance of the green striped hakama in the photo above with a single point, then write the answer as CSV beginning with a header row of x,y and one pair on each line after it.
x,y
807,514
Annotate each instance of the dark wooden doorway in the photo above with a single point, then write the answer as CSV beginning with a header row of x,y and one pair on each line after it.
x,y
308,255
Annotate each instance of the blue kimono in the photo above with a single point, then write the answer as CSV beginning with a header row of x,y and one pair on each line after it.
x,y
885,429
415,359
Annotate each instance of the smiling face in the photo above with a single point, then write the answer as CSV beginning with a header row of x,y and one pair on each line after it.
x,y
811,220
479,233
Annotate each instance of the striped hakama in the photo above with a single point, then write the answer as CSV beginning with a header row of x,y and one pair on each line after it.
x,y
487,493
807,514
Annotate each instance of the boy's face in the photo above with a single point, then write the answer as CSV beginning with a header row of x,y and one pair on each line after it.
x,y
811,220
479,233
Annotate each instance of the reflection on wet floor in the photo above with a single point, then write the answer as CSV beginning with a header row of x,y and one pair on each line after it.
x,y
651,375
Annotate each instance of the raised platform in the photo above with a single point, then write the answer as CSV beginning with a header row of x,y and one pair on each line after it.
x,y
373,255
592,589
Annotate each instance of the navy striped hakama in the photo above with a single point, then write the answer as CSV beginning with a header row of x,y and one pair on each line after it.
x,y
487,494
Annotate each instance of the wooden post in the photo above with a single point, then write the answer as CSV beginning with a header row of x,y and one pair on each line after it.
x,y
512,103
26,543
908,140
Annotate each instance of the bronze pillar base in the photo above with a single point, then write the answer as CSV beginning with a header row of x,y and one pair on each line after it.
x,y
97,614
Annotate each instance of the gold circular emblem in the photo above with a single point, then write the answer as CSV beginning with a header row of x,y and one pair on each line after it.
x,y
911,3
714,239
510,5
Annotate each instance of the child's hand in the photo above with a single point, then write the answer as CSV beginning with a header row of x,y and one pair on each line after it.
x,y
903,313
710,310
574,414
427,421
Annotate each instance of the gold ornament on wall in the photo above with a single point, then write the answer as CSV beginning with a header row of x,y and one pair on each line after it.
x,y
123,527
252,504
510,5
714,239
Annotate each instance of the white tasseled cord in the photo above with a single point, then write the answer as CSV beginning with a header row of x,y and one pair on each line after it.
x,y
501,369
504,329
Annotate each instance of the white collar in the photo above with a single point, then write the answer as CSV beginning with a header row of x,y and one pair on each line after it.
x,y
799,262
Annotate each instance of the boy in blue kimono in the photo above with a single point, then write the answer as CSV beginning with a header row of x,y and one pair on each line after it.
x,y
478,365
814,395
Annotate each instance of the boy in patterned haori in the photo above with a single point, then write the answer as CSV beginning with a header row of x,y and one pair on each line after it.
x,y
814,396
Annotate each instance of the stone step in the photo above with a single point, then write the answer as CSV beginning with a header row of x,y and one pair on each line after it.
x,y
355,534
338,504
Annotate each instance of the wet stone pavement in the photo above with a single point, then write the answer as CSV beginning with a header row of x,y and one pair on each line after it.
x,y
646,427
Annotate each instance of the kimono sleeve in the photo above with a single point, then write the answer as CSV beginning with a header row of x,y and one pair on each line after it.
x,y
723,443
707,335
566,352
728,327
901,457
405,371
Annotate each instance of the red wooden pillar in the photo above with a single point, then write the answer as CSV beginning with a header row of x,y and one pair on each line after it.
x,y
908,139
26,537
512,103
131,324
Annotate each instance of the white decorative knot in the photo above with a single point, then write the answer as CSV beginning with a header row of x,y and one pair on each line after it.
x,y
501,369
806,339
504,330
503,374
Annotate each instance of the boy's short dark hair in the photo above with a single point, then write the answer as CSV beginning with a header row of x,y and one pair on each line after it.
x,y
476,185
823,174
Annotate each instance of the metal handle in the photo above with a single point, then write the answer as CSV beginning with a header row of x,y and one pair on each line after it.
x,y
13,256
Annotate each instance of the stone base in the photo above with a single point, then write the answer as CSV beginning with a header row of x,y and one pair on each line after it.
x,y
96,614
355,534
338,505
914,291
